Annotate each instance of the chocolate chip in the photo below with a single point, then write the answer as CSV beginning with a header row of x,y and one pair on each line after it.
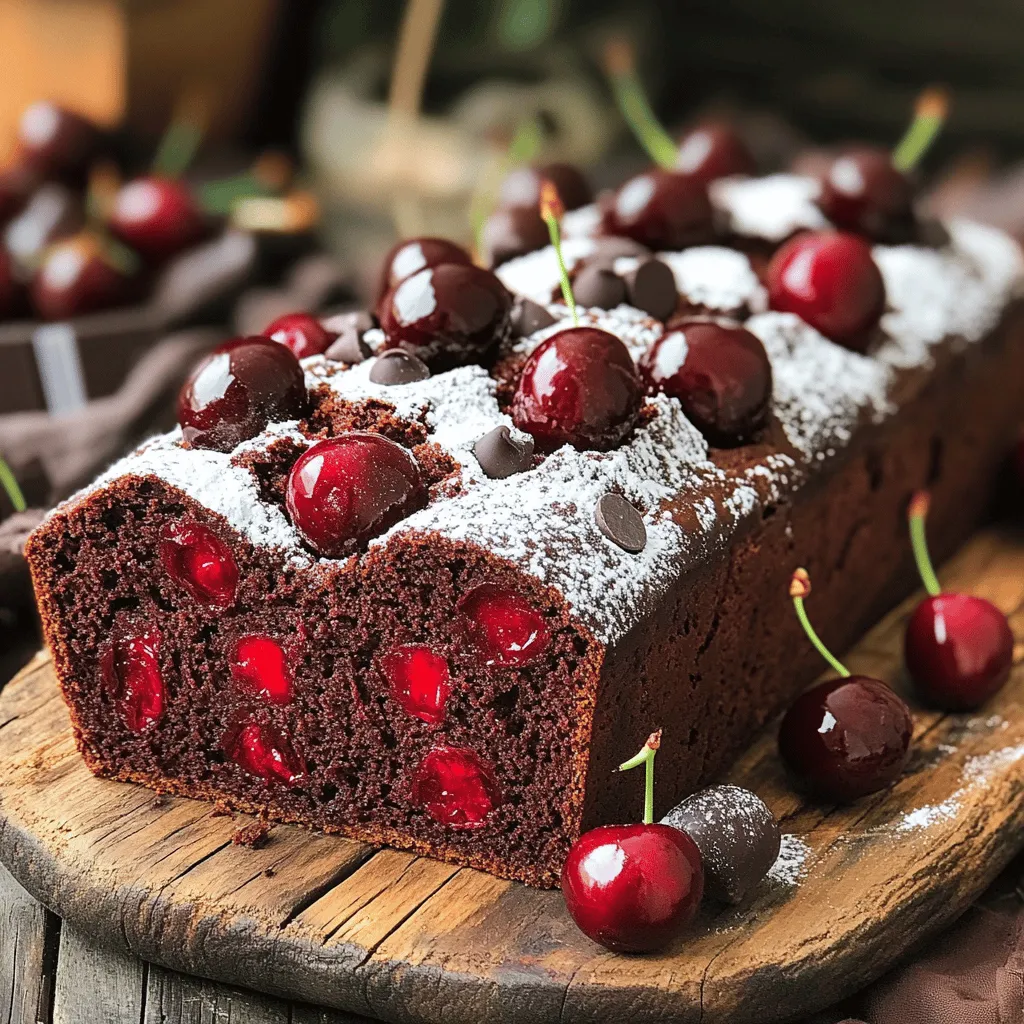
x,y
620,522
398,367
598,286
349,346
607,250
529,316
651,286
500,455
736,834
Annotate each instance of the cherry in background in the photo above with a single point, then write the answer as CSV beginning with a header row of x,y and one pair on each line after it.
x,y
634,888
511,232
846,737
158,217
521,187
78,275
830,280
958,647
714,150
661,209
301,333
55,141
416,254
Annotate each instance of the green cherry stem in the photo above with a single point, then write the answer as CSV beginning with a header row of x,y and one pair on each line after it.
x,y
799,588
929,116
551,212
917,513
620,64
181,141
646,758
10,485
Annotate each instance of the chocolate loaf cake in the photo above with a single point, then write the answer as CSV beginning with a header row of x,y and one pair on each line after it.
x,y
462,682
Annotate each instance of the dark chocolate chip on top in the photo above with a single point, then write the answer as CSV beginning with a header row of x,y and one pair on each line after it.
x,y
651,286
349,346
398,367
500,455
598,286
529,317
620,522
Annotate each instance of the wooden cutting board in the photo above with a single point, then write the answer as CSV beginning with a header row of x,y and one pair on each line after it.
x,y
405,938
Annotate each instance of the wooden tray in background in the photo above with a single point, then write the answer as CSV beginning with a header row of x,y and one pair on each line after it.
x,y
405,938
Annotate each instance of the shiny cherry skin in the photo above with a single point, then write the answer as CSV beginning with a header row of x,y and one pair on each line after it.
x,y
265,752
301,333
200,562
447,315
131,673
714,150
419,681
831,281
720,373
862,192
55,141
157,217
415,254
76,277
959,650
511,232
259,666
236,390
456,787
501,627
846,738
633,888
346,490
661,210
578,387
521,186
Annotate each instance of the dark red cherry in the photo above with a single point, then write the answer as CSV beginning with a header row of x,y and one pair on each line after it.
x,y
714,150
302,333
456,788
265,752
157,217
236,390
633,888
416,254
17,183
501,627
419,681
259,667
521,186
959,650
346,490
719,372
830,280
197,559
77,277
447,314
131,672
578,387
861,191
661,210
56,141
510,232
846,738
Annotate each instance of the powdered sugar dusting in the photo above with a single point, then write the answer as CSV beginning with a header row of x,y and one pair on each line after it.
x,y
584,222
716,277
771,208
633,327
536,275
792,864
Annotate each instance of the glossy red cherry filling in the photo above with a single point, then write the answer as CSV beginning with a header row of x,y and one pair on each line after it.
x,y
501,626
419,681
579,387
344,491
830,280
157,217
260,667
662,210
301,333
265,752
416,254
456,788
197,559
131,673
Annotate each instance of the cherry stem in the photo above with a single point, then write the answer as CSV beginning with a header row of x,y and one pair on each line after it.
x,y
180,142
646,758
10,485
929,117
634,106
551,211
917,512
799,588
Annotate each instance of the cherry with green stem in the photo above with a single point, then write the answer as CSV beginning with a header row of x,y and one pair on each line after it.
x,y
551,212
958,648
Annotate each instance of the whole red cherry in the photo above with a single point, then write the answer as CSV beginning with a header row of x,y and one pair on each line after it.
x,y
55,141
714,150
447,314
410,257
634,888
861,191
830,280
157,217
578,387
958,648
510,232
301,333
346,490
77,277
236,390
521,186
661,210
720,373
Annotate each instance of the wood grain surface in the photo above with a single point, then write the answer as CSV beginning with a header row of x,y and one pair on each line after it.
x,y
408,939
